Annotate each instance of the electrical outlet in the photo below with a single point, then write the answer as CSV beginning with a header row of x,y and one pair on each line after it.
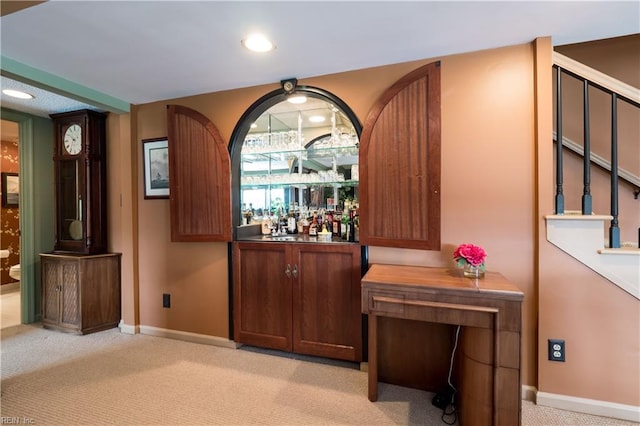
x,y
556,350
166,300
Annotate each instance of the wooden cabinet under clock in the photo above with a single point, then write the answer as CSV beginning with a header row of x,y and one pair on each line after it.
x,y
80,293
80,182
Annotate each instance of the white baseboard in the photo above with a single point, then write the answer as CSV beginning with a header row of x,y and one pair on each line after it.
x,y
128,329
528,393
589,406
188,337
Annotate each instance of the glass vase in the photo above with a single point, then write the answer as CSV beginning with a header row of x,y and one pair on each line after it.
x,y
472,271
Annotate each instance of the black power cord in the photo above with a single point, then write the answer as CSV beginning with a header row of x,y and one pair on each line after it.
x,y
446,400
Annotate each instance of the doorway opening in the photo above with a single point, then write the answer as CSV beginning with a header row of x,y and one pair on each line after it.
x,y
10,276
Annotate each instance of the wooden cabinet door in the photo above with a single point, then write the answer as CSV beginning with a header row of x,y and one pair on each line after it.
x,y
399,162
69,294
262,295
50,293
326,301
199,178
61,293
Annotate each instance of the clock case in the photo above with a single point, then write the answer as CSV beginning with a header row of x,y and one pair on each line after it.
x,y
80,185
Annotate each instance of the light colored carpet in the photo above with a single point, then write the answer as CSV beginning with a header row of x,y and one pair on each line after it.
x,y
114,378
110,378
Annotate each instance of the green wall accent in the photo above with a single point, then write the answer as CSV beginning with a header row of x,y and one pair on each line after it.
x,y
60,86
35,152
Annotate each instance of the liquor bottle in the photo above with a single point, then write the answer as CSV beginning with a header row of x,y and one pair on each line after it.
x,y
356,226
344,225
328,221
283,224
336,225
351,228
313,227
292,226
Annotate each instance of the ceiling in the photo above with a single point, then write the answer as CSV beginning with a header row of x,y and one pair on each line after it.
x,y
144,51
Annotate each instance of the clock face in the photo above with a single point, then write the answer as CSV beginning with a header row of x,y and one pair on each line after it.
x,y
73,139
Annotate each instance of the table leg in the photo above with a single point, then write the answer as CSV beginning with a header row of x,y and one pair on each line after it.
x,y
373,358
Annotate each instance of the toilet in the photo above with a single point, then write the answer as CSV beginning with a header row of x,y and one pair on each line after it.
x,y
14,272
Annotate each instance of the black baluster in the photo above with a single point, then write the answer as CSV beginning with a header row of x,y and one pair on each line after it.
x,y
614,230
559,195
586,193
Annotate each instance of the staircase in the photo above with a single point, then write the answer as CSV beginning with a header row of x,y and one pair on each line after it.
x,y
581,233
581,237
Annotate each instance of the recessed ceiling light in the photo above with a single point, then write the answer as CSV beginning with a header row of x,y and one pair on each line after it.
x,y
297,99
17,94
258,43
254,125
316,119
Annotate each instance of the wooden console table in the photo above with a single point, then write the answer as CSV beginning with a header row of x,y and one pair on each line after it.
x,y
489,310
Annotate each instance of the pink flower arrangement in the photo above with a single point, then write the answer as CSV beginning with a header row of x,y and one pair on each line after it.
x,y
471,254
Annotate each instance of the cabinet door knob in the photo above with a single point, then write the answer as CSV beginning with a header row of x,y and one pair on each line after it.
x,y
295,271
288,271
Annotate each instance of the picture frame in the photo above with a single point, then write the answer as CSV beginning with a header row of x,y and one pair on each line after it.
x,y
156,167
10,189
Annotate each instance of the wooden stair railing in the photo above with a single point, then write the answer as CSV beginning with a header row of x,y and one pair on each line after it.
x,y
618,92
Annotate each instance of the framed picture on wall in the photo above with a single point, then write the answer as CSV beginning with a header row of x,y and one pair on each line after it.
x,y
156,167
10,189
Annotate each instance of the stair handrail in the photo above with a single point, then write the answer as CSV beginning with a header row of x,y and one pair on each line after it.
x,y
604,81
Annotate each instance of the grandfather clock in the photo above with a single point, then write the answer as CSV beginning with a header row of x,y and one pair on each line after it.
x,y
80,280
80,182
